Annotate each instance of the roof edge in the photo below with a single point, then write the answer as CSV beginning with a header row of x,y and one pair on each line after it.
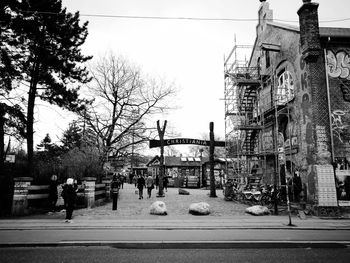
x,y
284,26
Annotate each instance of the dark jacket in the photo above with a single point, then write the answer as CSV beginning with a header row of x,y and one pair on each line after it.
x,y
140,182
69,195
53,189
115,186
165,181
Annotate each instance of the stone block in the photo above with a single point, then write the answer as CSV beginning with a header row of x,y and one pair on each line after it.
x,y
158,208
200,208
257,210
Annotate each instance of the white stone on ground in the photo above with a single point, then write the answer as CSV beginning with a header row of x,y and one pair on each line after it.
x,y
201,208
257,210
158,208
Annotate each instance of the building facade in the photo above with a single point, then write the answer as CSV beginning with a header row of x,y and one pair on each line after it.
x,y
292,104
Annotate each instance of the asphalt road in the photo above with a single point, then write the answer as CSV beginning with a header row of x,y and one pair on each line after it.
x,y
64,237
110,254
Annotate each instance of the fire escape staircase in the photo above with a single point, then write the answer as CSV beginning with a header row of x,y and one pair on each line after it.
x,y
247,81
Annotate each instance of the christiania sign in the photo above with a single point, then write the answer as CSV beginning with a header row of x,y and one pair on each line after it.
x,y
167,142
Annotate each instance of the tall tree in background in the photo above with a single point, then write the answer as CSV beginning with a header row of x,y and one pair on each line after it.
x,y
12,123
52,38
80,151
124,103
12,118
78,135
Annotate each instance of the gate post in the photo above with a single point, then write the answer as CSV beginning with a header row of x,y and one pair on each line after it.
x,y
89,191
107,183
20,194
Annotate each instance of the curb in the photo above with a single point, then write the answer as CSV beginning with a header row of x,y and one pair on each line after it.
x,y
188,244
286,227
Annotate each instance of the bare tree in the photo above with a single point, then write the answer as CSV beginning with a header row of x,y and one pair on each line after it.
x,y
124,103
198,150
171,151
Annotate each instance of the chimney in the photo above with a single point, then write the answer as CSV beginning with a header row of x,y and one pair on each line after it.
x,y
309,30
316,85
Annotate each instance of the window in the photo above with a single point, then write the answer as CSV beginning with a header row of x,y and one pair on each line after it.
x,y
267,59
285,89
258,64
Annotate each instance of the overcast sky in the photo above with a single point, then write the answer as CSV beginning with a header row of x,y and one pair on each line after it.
x,y
189,53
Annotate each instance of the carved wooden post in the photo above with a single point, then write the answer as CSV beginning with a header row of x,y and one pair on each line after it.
x,y
20,201
211,160
89,191
161,133
107,183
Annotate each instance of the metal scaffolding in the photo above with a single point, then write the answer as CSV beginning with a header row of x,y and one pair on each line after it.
x,y
241,119
253,101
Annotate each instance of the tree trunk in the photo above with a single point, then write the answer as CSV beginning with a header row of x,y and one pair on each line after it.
x,y
211,160
2,139
30,130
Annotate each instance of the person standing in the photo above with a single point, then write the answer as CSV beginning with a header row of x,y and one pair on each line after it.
x,y
115,184
53,195
149,185
140,185
157,181
297,186
165,183
69,195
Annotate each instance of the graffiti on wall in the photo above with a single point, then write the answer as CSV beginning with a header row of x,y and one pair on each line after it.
x,y
267,140
322,142
306,100
338,64
346,92
340,125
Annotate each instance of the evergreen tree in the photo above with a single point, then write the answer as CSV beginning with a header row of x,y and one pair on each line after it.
x,y
47,159
12,119
45,144
72,137
51,58
78,135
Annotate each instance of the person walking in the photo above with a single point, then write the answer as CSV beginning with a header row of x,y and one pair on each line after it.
x,y
157,181
140,185
122,179
69,195
115,184
149,185
165,183
135,178
53,194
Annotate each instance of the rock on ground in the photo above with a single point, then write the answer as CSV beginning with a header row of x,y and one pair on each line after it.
x,y
158,208
257,210
183,192
201,208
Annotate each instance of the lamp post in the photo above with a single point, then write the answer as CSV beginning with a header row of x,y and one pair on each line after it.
x,y
132,152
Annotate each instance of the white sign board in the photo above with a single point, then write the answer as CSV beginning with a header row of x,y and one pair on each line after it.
x,y
327,194
10,158
343,178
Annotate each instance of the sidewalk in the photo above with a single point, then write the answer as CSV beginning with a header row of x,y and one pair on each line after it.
x,y
133,213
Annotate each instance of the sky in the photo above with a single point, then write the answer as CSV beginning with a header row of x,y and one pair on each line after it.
x,y
187,52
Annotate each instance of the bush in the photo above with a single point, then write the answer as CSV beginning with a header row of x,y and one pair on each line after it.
x,y
84,162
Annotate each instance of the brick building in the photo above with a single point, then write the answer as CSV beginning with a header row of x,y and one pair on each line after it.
x,y
288,107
